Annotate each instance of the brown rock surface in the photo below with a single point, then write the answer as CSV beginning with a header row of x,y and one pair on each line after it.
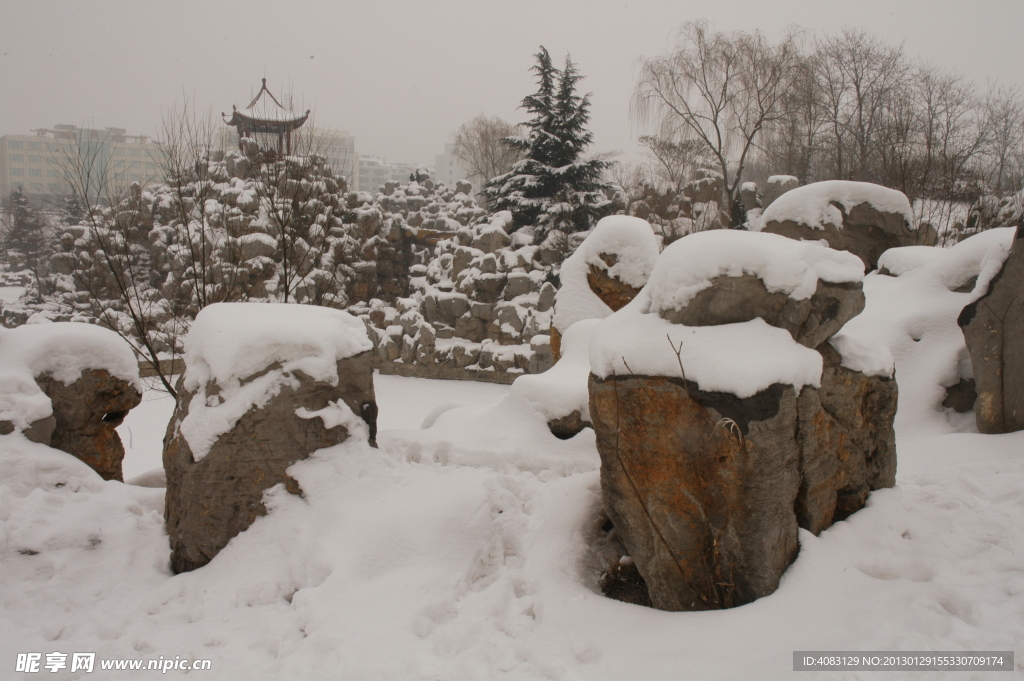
x,y
866,232
847,442
707,490
993,327
705,506
86,414
210,501
612,292
739,299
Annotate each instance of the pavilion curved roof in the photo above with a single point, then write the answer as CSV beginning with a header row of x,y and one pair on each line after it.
x,y
265,114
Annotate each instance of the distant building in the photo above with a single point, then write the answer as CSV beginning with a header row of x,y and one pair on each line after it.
x,y
449,169
35,162
374,171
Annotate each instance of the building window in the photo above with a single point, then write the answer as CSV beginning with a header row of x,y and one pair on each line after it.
x,y
52,173
33,146
35,172
54,187
16,158
17,171
14,145
135,152
35,159
36,187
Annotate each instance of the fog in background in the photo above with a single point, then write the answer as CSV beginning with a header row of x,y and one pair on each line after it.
x,y
402,76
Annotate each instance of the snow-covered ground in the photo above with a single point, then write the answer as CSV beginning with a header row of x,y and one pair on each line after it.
x,y
403,403
10,294
466,550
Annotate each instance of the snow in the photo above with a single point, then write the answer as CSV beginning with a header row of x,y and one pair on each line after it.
x,y
915,317
811,204
466,550
871,360
727,358
562,389
11,294
636,248
785,265
897,261
229,342
62,350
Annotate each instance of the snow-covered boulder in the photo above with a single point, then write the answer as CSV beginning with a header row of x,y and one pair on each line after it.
x,y
863,218
727,276
718,441
777,185
265,385
69,385
993,327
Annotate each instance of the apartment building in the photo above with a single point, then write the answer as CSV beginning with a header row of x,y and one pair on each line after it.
x,y
37,162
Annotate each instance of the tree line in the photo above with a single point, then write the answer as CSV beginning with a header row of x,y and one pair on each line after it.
x,y
845,106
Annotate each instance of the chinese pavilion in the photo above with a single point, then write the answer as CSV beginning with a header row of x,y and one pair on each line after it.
x,y
267,117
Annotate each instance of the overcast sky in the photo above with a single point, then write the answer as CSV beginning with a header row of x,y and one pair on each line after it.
x,y
402,76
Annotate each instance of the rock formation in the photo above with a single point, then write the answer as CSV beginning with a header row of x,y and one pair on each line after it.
x,y
738,299
859,217
281,414
86,414
69,385
993,328
707,486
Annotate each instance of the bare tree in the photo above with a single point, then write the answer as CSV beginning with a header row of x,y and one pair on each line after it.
x,y
480,145
107,255
1004,112
720,89
860,77
674,161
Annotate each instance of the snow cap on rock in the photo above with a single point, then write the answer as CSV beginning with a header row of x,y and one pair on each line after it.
x,y
229,341
812,204
689,265
635,247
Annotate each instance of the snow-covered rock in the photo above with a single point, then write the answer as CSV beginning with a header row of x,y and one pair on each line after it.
x,y
863,218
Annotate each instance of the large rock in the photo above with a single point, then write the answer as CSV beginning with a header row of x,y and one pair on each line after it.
x,y
777,185
87,413
847,442
707,490
738,299
859,217
211,500
704,506
993,327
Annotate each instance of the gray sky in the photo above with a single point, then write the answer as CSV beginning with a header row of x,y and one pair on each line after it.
x,y
402,76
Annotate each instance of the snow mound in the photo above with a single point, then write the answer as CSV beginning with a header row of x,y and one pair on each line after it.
x,y
633,243
976,258
812,204
726,358
512,433
63,350
784,265
915,315
897,261
562,389
229,342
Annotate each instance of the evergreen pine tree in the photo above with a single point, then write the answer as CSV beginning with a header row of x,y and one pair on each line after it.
x,y
552,187
24,230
